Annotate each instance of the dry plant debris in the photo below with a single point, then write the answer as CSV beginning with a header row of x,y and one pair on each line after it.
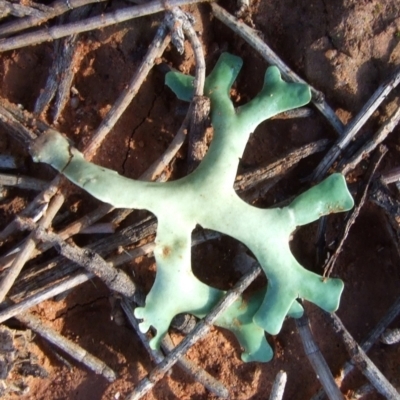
x,y
28,283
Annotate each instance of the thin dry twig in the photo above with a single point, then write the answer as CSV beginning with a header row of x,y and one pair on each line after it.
x,y
55,9
251,37
390,336
369,341
197,373
40,276
157,47
355,125
22,182
115,279
368,147
61,73
128,307
155,50
392,176
45,294
20,10
201,329
68,346
278,387
363,362
317,360
378,156
29,245
249,180
88,24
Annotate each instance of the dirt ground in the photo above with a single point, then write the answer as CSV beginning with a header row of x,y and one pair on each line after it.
x,y
344,48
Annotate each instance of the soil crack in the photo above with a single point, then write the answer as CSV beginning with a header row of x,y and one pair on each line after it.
x,y
65,312
134,131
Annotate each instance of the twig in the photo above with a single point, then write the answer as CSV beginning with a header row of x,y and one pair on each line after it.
x,y
8,161
148,248
127,306
19,10
55,9
28,247
157,47
59,267
363,362
61,74
382,196
45,294
251,37
368,342
392,176
56,288
115,279
355,125
390,336
200,106
317,360
278,387
69,347
378,156
378,138
198,332
88,24
22,182
249,180
160,164
197,373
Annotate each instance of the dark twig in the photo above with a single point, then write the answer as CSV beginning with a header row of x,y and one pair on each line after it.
x,y
317,360
197,373
390,336
29,245
198,332
355,125
68,346
378,138
251,37
88,24
48,293
57,8
128,307
19,10
380,153
382,196
115,279
363,362
70,282
249,180
369,341
392,176
58,268
8,161
22,182
200,106
61,74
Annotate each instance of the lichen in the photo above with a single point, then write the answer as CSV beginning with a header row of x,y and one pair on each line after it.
x,y
206,197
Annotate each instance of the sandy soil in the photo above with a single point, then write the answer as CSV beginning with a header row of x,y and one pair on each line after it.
x,y
343,48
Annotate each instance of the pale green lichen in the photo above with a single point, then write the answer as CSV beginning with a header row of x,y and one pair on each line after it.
x,y
206,197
